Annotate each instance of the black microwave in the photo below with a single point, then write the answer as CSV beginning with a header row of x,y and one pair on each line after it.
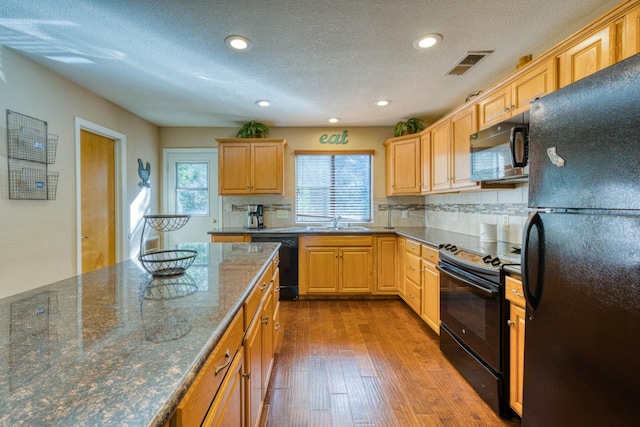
x,y
500,153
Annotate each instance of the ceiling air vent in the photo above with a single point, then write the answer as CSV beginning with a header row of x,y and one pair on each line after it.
x,y
468,61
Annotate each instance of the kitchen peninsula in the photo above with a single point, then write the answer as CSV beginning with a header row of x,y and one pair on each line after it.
x,y
117,346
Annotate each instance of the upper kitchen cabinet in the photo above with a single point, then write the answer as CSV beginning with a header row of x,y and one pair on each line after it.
x,y
514,98
441,156
587,56
251,166
631,32
407,164
463,124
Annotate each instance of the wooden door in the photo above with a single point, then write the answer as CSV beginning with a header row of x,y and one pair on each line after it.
x,y
463,125
322,270
234,169
227,409
253,372
266,168
266,319
400,271
356,267
516,374
440,151
405,166
431,296
585,58
386,264
97,175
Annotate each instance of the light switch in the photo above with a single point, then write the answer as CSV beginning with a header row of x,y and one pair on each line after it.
x,y
282,214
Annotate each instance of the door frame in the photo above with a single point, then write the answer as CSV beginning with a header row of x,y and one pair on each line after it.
x,y
120,146
165,178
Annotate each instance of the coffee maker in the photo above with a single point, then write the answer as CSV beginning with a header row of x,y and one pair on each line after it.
x,y
255,216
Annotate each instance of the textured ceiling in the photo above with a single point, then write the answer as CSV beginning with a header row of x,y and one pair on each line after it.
x,y
167,62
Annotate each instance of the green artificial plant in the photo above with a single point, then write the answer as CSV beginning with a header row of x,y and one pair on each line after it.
x,y
253,129
412,125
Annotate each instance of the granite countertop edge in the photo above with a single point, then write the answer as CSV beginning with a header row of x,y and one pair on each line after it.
x,y
167,410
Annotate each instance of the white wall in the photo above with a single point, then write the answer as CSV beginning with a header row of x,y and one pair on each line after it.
x,y
37,238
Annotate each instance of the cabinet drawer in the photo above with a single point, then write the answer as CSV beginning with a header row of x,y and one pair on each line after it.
x,y
338,240
430,254
230,238
413,247
252,302
513,291
412,264
413,296
196,402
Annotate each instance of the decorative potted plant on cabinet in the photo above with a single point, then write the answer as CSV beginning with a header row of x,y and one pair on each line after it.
x,y
412,125
253,129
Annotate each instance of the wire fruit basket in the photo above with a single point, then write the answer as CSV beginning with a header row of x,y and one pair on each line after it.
x,y
168,262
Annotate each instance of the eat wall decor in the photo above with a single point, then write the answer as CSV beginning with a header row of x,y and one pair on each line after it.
x,y
334,138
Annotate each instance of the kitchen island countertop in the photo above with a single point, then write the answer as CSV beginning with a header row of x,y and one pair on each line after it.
x,y
116,346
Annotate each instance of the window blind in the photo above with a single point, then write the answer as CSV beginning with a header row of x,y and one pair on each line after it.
x,y
334,184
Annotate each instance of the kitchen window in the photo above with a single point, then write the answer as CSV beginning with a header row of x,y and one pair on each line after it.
x,y
332,184
192,191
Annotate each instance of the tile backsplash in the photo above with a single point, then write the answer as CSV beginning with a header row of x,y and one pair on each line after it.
x,y
457,212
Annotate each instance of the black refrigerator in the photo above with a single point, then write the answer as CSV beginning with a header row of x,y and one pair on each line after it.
x,y
581,254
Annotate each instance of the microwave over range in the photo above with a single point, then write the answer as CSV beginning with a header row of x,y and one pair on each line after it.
x,y
500,153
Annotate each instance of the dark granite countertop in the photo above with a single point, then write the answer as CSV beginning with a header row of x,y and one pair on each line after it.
x,y
116,346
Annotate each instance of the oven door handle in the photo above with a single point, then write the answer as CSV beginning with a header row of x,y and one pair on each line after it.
x,y
489,292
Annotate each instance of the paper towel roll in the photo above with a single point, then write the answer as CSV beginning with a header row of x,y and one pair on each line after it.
x,y
488,232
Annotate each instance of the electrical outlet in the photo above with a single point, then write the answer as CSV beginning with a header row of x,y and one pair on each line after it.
x,y
505,220
229,207
405,214
282,214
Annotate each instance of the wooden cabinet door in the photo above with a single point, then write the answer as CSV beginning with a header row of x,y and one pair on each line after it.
x,y
253,372
227,409
234,169
534,84
431,296
440,156
495,108
400,272
425,161
266,327
585,58
631,34
386,264
463,124
322,270
267,175
356,270
516,369
403,167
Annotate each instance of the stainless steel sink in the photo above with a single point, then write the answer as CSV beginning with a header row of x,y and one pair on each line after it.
x,y
341,229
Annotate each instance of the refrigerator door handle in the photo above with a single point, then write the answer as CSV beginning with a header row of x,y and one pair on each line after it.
x,y
532,296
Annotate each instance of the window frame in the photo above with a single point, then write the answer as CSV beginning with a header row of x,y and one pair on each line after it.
x,y
299,217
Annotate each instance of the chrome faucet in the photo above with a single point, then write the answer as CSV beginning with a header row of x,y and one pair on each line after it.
x,y
335,220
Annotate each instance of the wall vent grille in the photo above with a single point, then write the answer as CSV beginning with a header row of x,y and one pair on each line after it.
x,y
470,60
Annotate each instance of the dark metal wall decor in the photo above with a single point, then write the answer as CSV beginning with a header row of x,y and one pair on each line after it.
x,y
144,173
30,151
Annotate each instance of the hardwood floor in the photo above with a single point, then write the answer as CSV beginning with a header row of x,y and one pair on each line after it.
x,y
365,363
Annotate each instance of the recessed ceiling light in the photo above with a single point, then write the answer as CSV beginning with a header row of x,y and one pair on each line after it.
x,y
333,120
383,102
427,41
263,103
238,42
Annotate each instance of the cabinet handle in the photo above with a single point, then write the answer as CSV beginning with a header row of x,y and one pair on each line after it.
x,y
263,287
277,326
277,289
226,363
277,262
516,293
510,323
506,109
246,375
265,320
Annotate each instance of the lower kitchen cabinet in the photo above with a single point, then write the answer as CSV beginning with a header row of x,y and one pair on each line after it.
x,y
230,238
430,288
228,407
412,280
400,271
253,372
336,264
513,291
386,249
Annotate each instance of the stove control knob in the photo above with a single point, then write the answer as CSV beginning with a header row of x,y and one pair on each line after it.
x,y
495,262
453,248
447,246
486,259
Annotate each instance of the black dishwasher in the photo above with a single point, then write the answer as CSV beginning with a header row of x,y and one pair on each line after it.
x,y
288,261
